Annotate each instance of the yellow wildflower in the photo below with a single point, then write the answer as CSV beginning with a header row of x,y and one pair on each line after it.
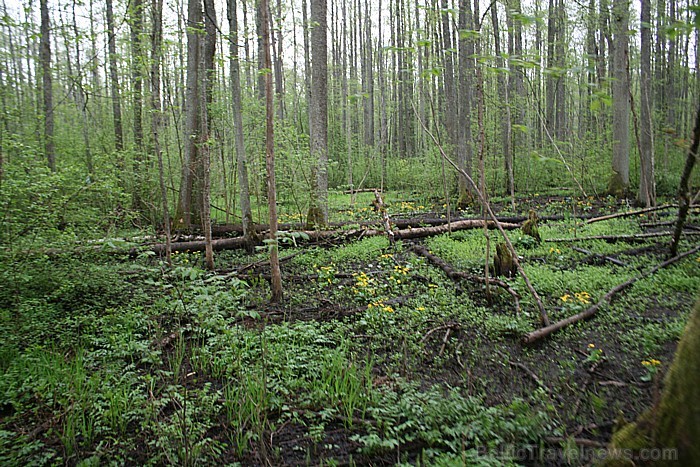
x,y
565,297
590,346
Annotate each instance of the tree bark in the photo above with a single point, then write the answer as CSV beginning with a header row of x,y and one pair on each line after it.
x,y
136,23
318,116
189,212
620,179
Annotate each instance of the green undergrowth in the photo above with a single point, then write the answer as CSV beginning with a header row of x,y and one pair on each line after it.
x,y
374,357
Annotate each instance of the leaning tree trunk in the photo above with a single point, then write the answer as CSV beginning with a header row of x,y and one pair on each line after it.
x,y
684,190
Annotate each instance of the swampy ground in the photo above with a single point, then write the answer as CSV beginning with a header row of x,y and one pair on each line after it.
x,y
374,357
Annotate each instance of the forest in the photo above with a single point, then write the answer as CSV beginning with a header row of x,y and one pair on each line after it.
x,y
349,232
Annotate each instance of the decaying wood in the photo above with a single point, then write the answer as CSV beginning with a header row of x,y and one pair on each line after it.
x,y
631,213
321,235
546,331
684,188
614,261
459,275
619,238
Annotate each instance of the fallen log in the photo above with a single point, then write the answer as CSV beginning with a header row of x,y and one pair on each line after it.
x,y
400,223
631,213
320,235
619,238
455,275
546,331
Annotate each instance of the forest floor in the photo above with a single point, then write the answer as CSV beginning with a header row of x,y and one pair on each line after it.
x,y
374,357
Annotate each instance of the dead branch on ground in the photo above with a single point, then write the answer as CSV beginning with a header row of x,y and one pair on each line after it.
x,y
619,238
546,331
455,275
631,213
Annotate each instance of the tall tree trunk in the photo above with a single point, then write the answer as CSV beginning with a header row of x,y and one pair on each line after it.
x,y
562,126
136,22
114,79
318,116
276,276
586,123
381,78
49,146
647,185
307,56
209,76
279,75
464,103
448,76
551,85
620,180
517,95
504,110
156,111
368,82
241,159
189,213
671,81
259,14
